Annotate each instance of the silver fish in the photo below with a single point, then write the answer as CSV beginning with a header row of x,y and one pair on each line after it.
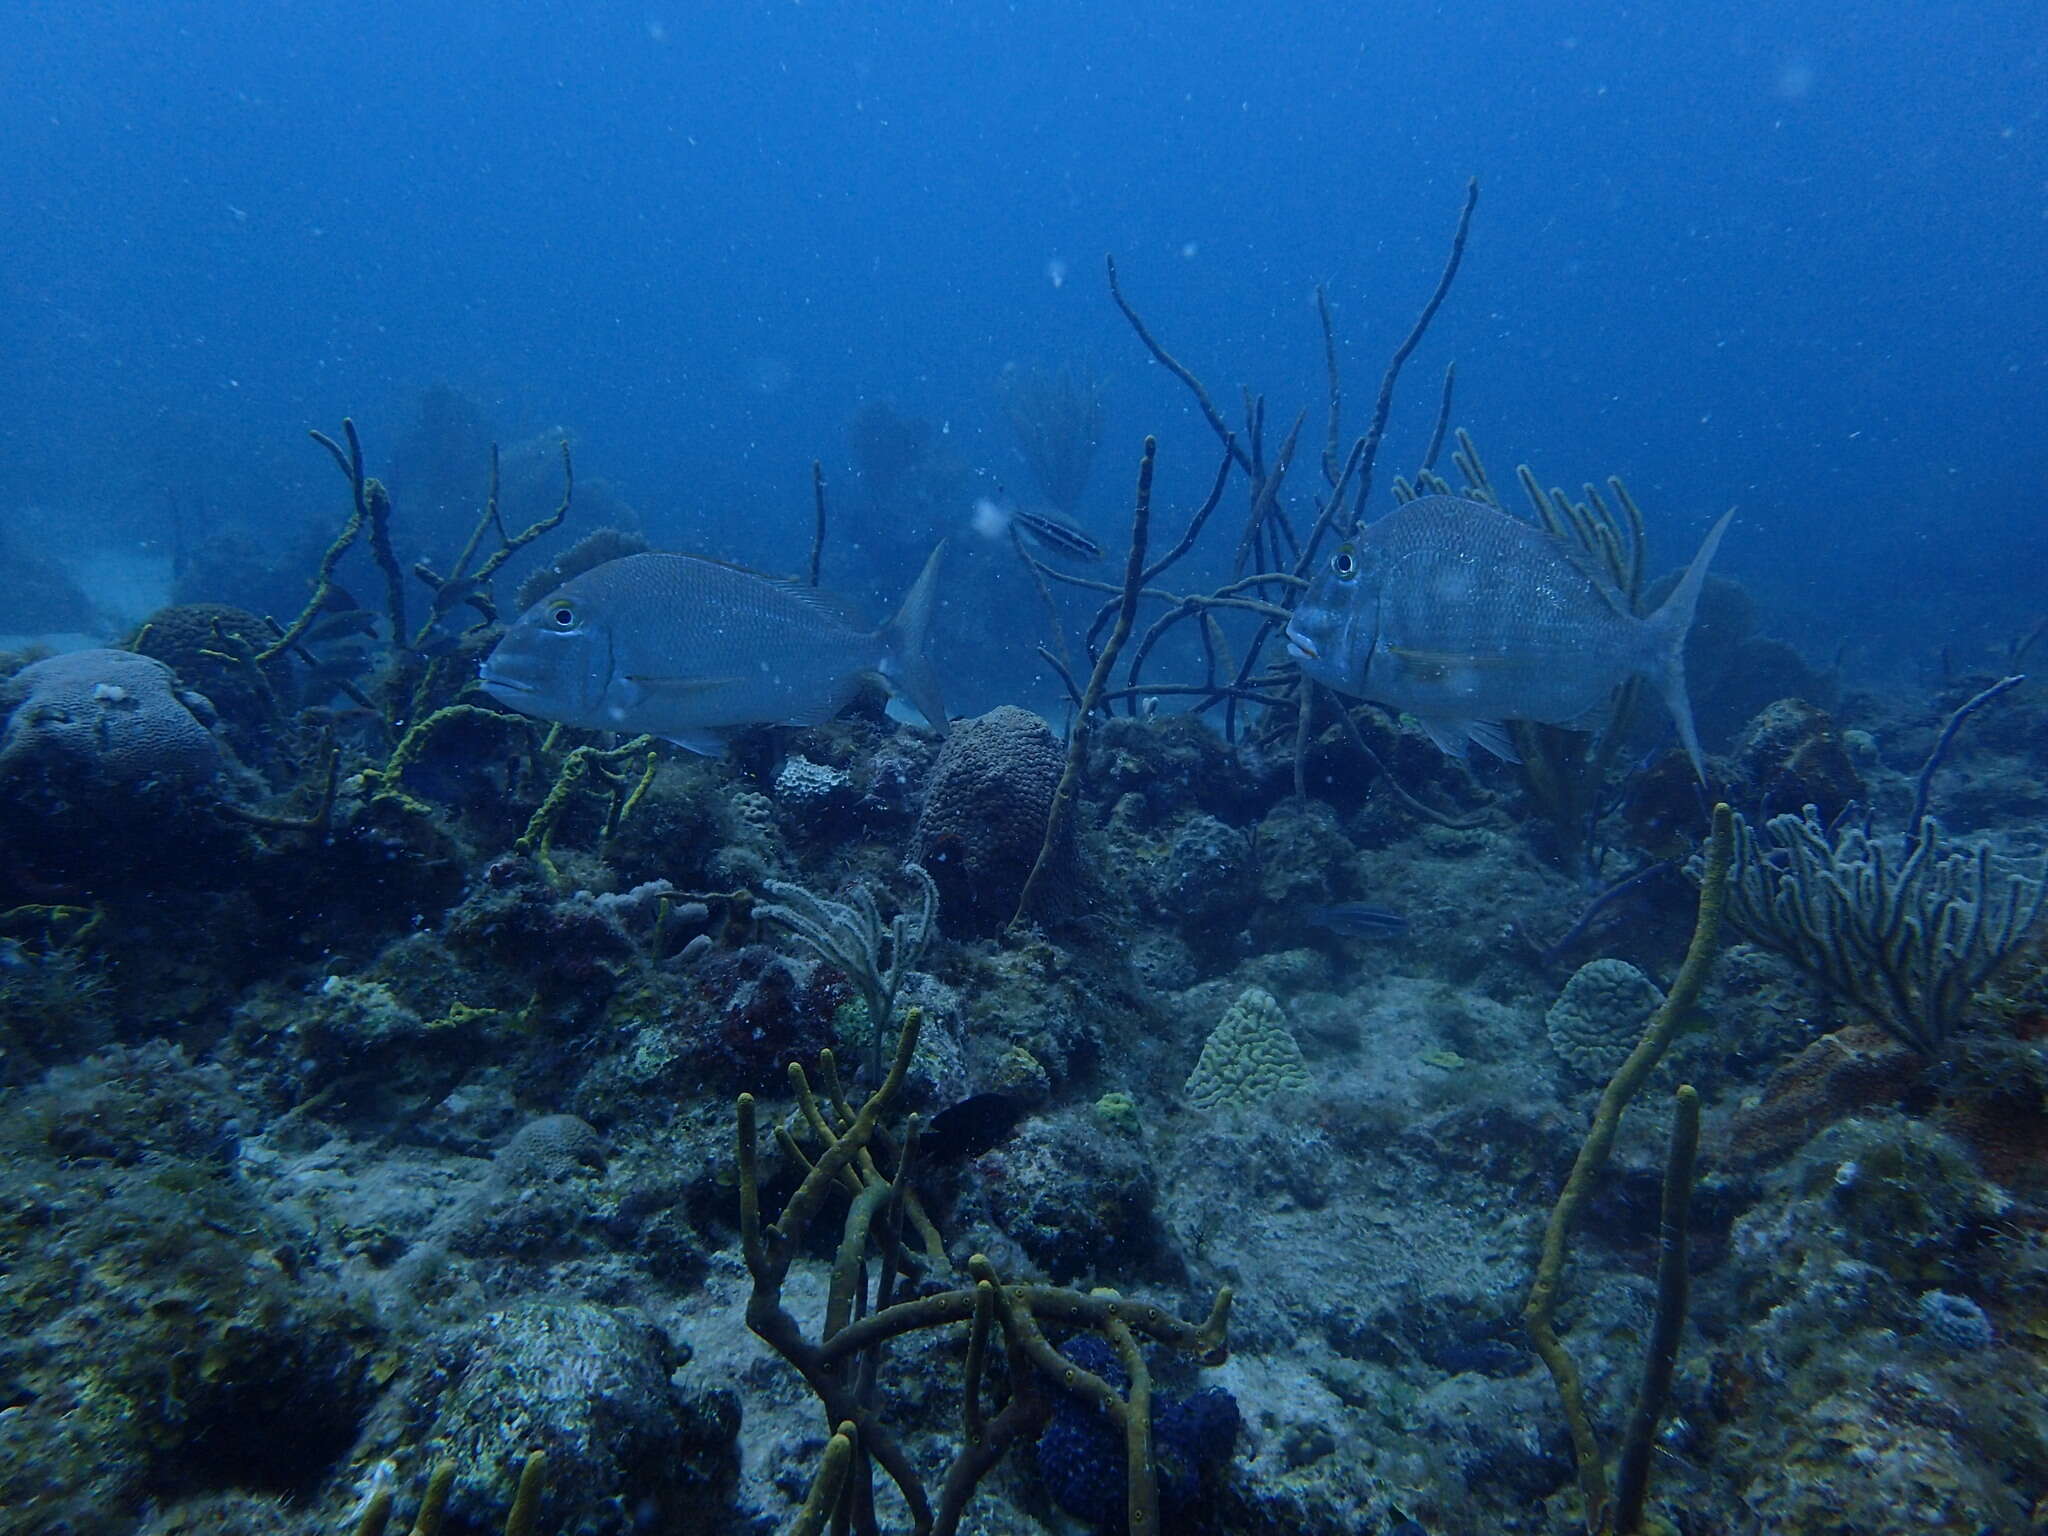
x,y
1058,534
1464,617
692,649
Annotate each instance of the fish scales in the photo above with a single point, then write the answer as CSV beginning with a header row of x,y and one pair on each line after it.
x,y
733,645
691,649
1464,617
1490,613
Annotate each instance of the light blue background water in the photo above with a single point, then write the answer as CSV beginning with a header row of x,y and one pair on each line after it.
x,y
1741,255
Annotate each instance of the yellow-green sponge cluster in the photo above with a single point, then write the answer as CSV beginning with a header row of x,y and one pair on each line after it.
x,y
1248,1058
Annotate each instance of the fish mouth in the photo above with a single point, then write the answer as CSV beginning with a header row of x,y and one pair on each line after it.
x,y
1300,647
499,683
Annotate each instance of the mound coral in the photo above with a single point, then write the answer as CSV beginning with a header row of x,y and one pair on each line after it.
x,y
103,764
91,720
985,816
1599,1016
1248,1058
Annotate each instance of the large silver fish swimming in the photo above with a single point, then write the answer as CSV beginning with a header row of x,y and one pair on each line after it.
x,y
693,649
1463,617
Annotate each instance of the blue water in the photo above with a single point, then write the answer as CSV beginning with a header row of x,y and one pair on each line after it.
x,y
1788,261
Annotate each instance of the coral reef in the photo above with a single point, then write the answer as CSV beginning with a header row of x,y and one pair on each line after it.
x,y
477,1109
369,1060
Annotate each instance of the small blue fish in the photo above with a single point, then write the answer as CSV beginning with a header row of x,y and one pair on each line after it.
x,y
1354,919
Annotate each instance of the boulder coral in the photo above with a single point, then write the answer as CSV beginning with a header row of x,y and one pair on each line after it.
x,y
103,762
93,720
985,815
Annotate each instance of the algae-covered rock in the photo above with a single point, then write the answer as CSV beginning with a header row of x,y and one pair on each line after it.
x,y
1792,755
163,1329
628,1448
1206,884
1077,1195
212,647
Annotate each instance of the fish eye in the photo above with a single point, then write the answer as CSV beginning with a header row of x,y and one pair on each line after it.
x,y
562,616
1344,563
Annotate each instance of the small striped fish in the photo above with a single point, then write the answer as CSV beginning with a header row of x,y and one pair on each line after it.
x,y
1354,919
1056,534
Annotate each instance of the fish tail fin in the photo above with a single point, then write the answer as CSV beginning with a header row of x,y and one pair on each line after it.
x,y
1664,634
904,663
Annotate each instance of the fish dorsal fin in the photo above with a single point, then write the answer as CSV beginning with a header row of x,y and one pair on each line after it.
x,y
1588,565
827,604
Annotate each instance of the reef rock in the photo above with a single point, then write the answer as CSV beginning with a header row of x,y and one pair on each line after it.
x,y
1791,756
1206,883
629,1447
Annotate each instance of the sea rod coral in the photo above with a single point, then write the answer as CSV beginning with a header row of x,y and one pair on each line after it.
x,y
1905,932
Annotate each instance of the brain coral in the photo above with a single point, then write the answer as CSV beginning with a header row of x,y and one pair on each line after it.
x,y
96,718
984,815
1598,1018
1249,1056
209,646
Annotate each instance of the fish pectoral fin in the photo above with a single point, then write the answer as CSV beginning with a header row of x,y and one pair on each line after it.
x,y
1493,736
705,743
1449,735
